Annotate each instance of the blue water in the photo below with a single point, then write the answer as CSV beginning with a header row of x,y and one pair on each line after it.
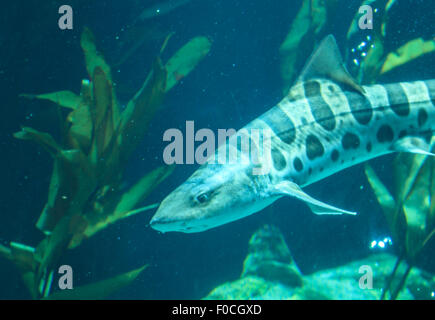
x,y
235,83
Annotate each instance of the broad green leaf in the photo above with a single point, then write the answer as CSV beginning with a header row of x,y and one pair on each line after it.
x,y
309,25
53,247
125,206
93,58
80,132
186,59
23,255
139,112
382,194
99,290
409,173
408,52
66,99
290,55
101,112
142,189
24,259
42,138
416,206
73,180
389,4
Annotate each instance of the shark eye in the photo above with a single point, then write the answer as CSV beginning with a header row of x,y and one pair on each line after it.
x,y
202,198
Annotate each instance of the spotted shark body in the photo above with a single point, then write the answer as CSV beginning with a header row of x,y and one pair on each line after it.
x,y
325,124
321,128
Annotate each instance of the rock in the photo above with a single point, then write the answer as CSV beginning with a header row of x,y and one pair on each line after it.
x,y
270,273
269,258
250,288
268,244
343,282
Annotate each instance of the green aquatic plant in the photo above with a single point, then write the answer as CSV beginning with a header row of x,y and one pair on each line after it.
x,y
27,260
311,25
99,290
409,212
269,272
306,29
97,139
409,218
377,60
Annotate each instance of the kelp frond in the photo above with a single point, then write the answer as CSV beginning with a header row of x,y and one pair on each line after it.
x,y
85,193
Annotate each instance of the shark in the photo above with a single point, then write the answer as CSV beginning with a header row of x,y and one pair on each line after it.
x,y
326,123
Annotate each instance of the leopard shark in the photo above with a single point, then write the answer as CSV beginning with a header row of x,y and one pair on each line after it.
x,y
327,122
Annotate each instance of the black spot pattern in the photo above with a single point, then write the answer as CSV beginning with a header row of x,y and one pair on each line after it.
x,y
350,141
298,165
334,155
369,147
278,160
281,124
385,134
360,107
397,99
422,117
314,147
320,109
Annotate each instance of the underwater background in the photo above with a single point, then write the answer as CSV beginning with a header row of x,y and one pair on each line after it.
x,y
237,81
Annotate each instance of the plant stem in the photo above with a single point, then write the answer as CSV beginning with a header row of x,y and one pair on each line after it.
x,y
402,283
391,277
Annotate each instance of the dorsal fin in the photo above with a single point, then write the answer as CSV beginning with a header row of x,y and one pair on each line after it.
x,y
326,62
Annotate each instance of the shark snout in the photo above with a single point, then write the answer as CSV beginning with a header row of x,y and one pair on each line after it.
x,y
154,221
159,219
166,219
158,223
172,219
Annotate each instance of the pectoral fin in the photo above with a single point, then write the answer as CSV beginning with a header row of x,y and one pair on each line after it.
x,y
413,145
291,189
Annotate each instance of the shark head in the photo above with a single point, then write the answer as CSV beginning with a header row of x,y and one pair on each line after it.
x,y
214,195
